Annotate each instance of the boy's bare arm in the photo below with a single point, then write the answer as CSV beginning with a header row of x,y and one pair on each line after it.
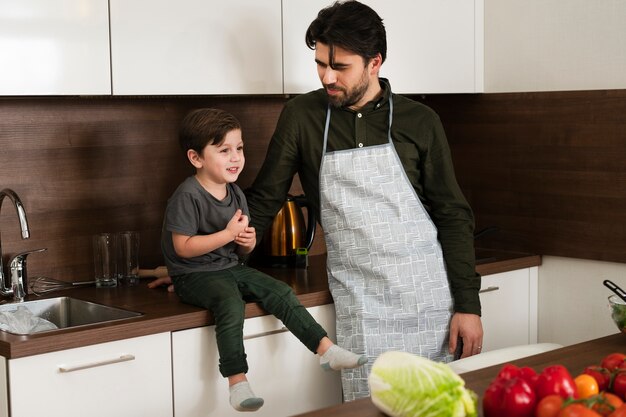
x,y
192,246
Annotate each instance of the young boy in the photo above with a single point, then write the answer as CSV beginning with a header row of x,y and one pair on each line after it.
x,y
206,229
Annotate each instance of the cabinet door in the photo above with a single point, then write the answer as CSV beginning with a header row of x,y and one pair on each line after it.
x,y
4,389
509,308
282,371
196,47
127,378
540,45
430,45
54,47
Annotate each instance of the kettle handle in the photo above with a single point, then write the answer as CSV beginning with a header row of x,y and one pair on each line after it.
x,y
301,201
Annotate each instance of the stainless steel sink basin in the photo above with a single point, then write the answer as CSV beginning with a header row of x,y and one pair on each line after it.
x,y
68,312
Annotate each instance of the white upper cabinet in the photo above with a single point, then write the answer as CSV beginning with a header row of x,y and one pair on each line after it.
x,y
196,47
549,45
431,45
56,47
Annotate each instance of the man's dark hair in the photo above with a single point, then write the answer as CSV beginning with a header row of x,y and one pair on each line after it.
x,y
352,26
202,127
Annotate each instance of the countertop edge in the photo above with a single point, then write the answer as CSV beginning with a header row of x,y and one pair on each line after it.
x,y
507,265
181,318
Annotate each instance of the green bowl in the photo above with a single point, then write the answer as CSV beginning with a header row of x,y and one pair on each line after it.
x,y
618,312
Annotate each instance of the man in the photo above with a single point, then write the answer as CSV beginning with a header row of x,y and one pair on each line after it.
x,y
377,169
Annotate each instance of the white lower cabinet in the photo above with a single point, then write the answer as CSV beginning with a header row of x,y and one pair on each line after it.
x,y
282,370
4,386
509,308
573,304
127,378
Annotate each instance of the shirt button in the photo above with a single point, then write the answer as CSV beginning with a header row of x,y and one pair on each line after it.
x,y
359,115
360,145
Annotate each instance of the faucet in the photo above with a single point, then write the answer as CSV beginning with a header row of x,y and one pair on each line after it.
x,y
19,284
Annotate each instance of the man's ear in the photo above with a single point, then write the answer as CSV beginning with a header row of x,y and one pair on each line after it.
x,y
194,158
376,63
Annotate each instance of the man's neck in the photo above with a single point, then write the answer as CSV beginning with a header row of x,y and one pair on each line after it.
x,y
373,92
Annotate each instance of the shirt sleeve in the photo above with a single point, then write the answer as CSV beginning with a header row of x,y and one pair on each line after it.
x,y
182,215
454,220
269,190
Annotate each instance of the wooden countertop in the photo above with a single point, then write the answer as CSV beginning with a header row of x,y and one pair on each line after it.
x,y
574,358
163,311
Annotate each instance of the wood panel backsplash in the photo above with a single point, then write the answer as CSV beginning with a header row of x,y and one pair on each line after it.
x,y
88,165
546,168
549,169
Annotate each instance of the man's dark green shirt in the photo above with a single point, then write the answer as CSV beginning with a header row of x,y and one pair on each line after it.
x,y
420,141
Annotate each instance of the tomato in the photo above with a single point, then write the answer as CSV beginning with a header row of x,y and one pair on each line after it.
x,y
613,361
618,385
620,412
511,397
549,406
601,375
586,386
555,379
577,410
605,403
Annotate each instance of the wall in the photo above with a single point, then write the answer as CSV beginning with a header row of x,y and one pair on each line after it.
x,y
88,165
546,168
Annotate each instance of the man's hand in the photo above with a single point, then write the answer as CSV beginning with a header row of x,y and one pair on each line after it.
x,y
469,328
162,281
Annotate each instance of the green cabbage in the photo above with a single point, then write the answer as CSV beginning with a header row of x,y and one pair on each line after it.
x,y
406,385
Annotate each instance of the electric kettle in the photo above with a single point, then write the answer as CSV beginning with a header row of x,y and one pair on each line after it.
x,y
289,232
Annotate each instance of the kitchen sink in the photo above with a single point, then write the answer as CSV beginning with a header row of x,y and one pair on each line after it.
x,y
68,312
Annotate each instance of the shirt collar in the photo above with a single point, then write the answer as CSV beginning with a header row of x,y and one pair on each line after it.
x,y
379,101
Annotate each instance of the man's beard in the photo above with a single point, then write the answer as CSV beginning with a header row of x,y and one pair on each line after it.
x,y
349,97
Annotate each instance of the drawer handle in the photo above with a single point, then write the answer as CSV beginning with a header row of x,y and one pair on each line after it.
x,y
123,358
254,336
489,289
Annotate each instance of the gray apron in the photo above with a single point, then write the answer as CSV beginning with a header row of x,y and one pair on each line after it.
x,y
385,265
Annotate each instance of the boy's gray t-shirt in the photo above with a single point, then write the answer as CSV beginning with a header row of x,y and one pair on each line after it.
x,y
191,211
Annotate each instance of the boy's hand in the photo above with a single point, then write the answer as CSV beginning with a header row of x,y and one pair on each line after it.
x,y
237,224
246,239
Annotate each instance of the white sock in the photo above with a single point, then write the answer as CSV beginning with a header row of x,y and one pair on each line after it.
x,y
242,398
337,358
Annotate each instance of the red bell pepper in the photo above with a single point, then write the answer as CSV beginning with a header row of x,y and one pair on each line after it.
x,y
528,374
509,397
556,379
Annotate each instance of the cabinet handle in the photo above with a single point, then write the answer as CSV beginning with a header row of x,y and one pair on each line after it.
x,y
254,336
123,358
489,289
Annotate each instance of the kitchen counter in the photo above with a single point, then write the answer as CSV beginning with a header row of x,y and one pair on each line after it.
x,y
163,311
575,358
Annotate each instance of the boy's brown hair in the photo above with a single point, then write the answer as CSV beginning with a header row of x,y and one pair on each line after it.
x,y
202,127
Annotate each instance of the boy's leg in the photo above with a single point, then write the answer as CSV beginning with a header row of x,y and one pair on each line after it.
x,y
218,292
278,299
